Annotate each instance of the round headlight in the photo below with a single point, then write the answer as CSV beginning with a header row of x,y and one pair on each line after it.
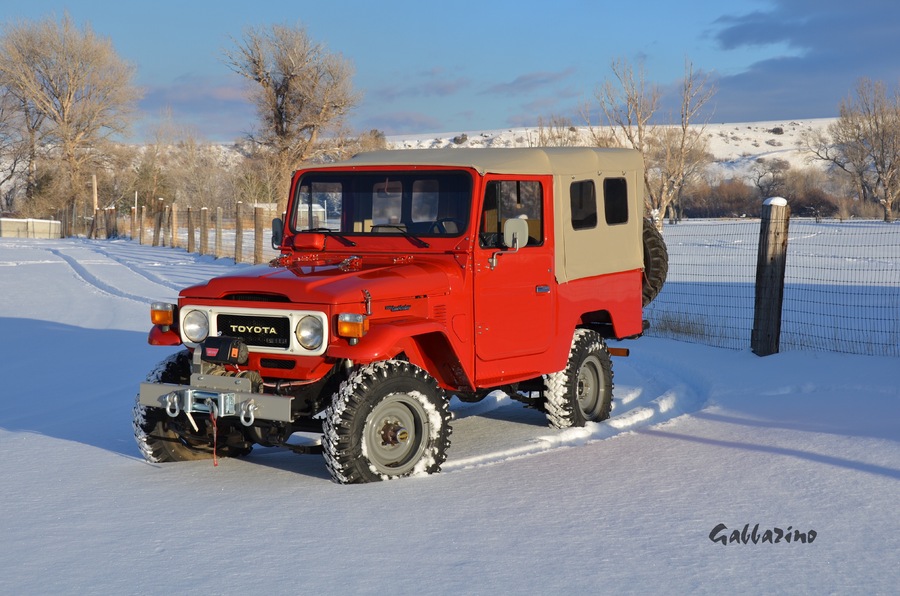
x,y
309,332
195,326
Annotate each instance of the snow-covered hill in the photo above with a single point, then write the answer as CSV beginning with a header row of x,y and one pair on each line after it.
x,y
701,439
735,147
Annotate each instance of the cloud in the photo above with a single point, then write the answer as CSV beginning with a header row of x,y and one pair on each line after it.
x,y
529,82
822,49
216,109
404,122
434,82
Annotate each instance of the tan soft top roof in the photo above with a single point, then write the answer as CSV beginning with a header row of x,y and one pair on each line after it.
x,y
532,160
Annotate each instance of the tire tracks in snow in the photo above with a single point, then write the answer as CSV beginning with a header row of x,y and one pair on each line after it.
x,y
661,396
77,265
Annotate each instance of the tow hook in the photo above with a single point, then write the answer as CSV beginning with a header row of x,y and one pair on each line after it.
x,y
247,410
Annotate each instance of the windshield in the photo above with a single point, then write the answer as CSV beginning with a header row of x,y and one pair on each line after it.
x,y
403,203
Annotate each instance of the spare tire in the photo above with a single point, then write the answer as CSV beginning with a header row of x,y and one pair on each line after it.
x,y
656,262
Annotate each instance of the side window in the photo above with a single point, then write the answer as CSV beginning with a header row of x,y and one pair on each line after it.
x,y
615,200
583,201
509,199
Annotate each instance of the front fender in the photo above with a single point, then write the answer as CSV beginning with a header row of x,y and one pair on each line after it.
x,y
385,341
425,344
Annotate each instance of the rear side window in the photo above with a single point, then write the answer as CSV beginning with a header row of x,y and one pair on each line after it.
x,y
583,201
615,200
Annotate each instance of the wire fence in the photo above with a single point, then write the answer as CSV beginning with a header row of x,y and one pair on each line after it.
x,y
841,294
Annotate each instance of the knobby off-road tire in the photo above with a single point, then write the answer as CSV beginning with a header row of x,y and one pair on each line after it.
x,y
656,262
388,420
581,392
154,429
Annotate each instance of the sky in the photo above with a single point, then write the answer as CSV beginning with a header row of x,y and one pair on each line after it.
x,y
424,67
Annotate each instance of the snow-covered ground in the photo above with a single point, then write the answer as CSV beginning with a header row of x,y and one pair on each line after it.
x,y
699,437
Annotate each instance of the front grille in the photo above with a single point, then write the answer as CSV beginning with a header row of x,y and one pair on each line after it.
x,y
257,330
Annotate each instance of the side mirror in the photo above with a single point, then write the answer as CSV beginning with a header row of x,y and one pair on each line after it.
x,y
515,236
515,233
277,232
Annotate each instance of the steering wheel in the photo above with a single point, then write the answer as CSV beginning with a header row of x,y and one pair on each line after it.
x,y
442,229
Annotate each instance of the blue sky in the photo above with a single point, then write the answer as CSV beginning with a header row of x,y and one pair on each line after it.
x,y
467,65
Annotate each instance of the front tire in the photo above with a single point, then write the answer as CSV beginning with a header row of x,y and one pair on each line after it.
x,y
164,439
388,420
581,392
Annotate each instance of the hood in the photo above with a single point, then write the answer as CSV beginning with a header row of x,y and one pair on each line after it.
x,y
332,281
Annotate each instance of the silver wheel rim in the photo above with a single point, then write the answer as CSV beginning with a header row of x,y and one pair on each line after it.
x,y
394,438
589,389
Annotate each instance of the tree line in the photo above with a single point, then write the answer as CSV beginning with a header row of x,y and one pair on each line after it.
x,y
66,97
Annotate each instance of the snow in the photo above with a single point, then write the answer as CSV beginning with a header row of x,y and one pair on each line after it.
x,y
699,437
735,147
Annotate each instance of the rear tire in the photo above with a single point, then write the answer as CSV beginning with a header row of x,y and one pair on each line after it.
x,y
581,392
388,420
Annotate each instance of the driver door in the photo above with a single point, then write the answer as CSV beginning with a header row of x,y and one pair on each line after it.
x,y
515,290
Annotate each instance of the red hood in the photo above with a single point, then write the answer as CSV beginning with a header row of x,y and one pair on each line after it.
x,y
335,280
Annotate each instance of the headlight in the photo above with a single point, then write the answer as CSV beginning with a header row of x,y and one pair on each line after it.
x,y
309,332
195,326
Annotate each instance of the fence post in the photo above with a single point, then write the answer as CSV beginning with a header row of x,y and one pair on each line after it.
x,y
770,265
219,253
190,229
238,233
204,231
141,224
258,218
158,227
174,227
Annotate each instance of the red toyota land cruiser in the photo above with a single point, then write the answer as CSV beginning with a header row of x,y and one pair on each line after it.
x,y
407,277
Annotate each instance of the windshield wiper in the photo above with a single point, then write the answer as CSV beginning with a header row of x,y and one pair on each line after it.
x,y
411,237
343,239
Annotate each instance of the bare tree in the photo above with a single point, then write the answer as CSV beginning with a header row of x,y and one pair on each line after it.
x,y
674,152
768,175
301,91
864,143
13,151
74,82
556,131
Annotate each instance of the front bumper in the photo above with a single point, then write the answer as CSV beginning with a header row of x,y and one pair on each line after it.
x,y
219,396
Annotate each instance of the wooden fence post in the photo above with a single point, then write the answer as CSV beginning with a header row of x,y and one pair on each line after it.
x,y
219,253
158,227
204,231
238,233
191,245
141,224
174,227
770,265
258,218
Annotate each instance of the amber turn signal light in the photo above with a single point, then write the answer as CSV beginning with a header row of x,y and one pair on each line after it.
x,y
352,325
162,314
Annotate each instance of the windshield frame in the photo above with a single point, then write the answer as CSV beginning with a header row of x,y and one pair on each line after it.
x,y
377,202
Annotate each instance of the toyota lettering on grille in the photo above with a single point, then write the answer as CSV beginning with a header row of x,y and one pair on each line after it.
x,y
257,330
